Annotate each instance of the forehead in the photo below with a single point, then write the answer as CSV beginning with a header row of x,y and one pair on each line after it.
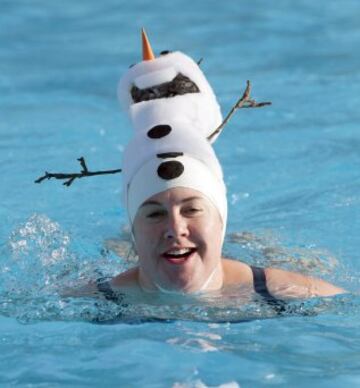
x,y
175,195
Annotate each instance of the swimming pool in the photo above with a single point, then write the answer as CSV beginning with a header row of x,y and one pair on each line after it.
x,y
292,172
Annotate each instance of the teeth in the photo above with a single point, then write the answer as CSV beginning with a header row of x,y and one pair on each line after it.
x,y
179,251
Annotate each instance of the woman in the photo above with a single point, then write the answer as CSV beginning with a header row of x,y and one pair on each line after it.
x,y
175,194
178,238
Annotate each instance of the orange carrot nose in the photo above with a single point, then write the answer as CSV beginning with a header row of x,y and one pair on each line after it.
x,y
148,54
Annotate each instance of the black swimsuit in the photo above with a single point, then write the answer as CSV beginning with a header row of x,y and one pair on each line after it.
x,y
280,307
104,288
260,287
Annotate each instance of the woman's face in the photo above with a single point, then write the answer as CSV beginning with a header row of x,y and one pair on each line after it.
x,y
178,237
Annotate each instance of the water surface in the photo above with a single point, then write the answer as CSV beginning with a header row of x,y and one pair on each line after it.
x,y
292,172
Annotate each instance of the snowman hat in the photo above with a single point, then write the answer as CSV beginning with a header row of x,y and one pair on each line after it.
x,y
172,109
168,88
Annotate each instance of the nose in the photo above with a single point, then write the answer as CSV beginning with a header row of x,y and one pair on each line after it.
x,y
176,227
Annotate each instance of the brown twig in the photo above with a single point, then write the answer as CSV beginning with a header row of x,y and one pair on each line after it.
x,y
244,102
72,176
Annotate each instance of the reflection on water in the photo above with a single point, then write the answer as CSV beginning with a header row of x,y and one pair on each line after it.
x,y
266,250
40,261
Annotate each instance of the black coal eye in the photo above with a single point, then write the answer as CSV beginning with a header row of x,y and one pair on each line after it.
x,y
170,170
131,65
165,52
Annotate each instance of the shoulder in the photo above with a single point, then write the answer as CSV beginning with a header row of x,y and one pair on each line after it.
x,y
280,283
236,272
127,279
287,284
104,286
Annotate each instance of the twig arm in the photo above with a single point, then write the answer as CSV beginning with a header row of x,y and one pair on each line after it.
x,y
83,165
70,177
244,102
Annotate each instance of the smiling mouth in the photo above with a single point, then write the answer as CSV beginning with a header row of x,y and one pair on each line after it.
x,y
180,85
179,256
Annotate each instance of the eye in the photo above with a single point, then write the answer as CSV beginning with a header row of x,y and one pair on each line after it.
x,y
193,210
132,65
165,52
155,214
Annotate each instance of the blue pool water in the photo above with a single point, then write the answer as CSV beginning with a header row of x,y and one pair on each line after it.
x,y
292,172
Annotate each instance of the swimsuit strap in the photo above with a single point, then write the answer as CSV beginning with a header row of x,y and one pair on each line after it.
x,y
260,282
104,287
261,288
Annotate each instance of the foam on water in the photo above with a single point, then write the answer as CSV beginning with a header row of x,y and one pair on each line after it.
x,y
40,262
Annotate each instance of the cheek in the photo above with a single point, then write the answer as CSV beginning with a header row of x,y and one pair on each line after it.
x,y
208,231
146,237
